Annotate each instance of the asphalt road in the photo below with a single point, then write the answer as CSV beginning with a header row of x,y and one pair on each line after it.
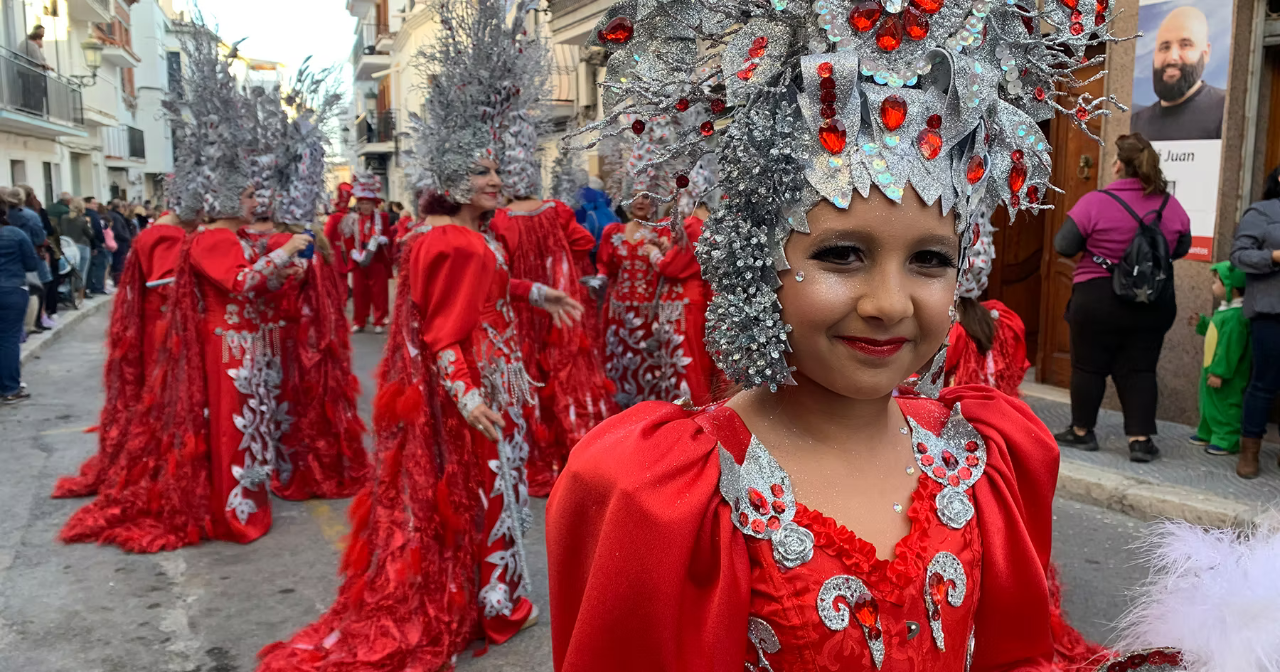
x,y
210,608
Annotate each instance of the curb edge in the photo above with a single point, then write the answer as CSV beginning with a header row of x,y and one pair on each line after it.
x,y
89,309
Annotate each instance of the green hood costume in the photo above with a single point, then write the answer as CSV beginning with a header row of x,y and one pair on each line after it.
x,y
1228,356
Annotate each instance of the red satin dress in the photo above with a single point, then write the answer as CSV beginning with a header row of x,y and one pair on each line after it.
x,y
646,353
548,246
1003,367
675,543
682,287
436,558
139,322
201,450
351,236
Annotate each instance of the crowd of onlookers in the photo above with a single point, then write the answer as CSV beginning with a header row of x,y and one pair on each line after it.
x,y
53,255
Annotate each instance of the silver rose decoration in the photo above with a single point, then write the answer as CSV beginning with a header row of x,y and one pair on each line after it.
x,y
792,545
954,508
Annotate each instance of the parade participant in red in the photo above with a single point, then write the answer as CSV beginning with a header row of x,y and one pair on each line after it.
x,y
548,246
341,206
816,521
198,461
139,323
988,343
363,241
436,557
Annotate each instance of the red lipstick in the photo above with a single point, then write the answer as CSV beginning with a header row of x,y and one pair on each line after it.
x,y
872,347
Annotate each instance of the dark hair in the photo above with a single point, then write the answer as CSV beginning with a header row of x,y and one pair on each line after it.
x,y
977,322
1271,186
436,203
1142,161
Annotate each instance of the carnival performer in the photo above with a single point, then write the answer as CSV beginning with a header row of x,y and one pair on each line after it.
x,y
815,520
198,459
363,239
988,343
139,323
548,246
436,557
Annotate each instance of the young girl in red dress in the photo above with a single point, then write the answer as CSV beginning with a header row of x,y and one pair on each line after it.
x,y
816,521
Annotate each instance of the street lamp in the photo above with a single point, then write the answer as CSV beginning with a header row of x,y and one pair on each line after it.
x,y
93,59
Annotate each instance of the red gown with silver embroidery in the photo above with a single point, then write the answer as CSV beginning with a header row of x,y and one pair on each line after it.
x,y
352,236
548,246
1003,367
646,353
675,543
206,431
681,286
138,324
436,556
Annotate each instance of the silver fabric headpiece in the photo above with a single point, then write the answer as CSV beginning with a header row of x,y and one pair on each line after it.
x,y
212,131
980,258
315,101
822,99
472,72
567,180
266,160
529,68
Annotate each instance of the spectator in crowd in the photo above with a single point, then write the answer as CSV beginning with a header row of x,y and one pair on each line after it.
x,y
28,221
395,210
17,259
35,86
1111,336
596,211
140,218
51,254
61,207
1257,252
96,282
123,233
75,225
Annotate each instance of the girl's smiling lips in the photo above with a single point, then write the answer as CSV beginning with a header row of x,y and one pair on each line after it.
x,y
873,347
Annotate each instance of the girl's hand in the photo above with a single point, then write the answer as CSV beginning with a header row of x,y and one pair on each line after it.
x,y
1214,381
1194,320
565,310
296,244
649,249
486,422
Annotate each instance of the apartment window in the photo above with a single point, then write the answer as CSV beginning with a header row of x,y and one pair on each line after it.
x,y
48,183
175,74
18,171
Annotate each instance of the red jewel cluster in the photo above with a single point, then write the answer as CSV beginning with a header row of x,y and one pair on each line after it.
x,y
939,586
866,15
831,133
617,31
950,463
758,47
867,611
930,140
1077,19
766,508
1135,661
1017,178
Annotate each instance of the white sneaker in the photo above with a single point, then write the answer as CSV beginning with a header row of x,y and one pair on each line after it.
x,y
355,328
378,329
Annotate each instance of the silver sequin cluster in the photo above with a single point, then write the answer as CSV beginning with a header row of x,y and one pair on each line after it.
x,y
960,441
759,492
950,569
978,83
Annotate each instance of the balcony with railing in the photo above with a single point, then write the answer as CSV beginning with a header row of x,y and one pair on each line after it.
x,y
36,102
118,42
375,133
365,57
89,10
124,145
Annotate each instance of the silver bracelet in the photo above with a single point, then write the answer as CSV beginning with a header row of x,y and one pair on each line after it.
x,y
538,295
469,402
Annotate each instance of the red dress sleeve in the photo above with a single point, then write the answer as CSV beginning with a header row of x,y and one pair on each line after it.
x,y
606,258
647,571
218,256
1014,503
681,261
580,240
335,239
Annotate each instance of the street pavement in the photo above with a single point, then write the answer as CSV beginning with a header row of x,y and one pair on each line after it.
x,y
210,608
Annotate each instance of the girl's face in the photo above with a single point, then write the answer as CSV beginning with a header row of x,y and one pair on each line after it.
x,y
248,204
486,185
1219,289
873,304
641,206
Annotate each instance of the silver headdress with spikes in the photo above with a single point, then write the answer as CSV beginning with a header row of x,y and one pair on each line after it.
x,y
210,118
315,102
817,99
472,73
567,180
529,69
270,128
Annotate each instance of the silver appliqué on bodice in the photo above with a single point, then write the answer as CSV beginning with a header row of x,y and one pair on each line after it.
x,y
956,459
759,492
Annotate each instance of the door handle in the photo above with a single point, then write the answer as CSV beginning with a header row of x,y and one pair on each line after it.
x,y
1086,162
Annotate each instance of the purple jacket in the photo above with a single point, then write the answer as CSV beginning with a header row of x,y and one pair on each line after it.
x,y
1099,225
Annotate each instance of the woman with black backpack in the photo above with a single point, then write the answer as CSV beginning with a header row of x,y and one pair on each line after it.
x,y
1122,302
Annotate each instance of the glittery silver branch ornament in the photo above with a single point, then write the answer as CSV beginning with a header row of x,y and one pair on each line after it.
x,y
821,99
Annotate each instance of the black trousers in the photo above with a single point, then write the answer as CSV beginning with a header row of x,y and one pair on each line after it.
x,y
1110,337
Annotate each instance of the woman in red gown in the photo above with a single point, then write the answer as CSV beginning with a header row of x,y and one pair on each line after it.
x,y
139,322
816,520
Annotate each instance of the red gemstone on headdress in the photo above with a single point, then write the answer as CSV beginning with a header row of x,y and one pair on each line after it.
x,y
1136,660
1100,18
758,502
1102,5
1017,176
954,480
717,105
777,490
617,31
949,459
866,610
748,72
930,6
775,524
926,460
976,169
825,69
874,634
1033,194
1040,94
682,105
930,143
707,128
832,135
1082,113
826,83
938,588
889,36
1077,29
682,181
758,47
779,506
637,127
965,473
1070,4
917,24
828,111
939,472
1015,202
934,121
827,96
864,16
1016,155
1076,17
743,520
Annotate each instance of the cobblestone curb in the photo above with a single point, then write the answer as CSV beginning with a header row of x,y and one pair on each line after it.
x,y
67,318
1148,501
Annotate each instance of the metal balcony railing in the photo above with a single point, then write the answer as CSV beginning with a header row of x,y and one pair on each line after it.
x,y
367,36
376,127
125,142
33,91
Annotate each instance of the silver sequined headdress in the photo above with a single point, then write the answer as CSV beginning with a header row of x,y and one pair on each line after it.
x,y
981,257
567,180
314,102
212,128
472,74
528,66
821,99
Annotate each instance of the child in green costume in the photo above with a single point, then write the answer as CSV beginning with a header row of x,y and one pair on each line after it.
x,y
1227,361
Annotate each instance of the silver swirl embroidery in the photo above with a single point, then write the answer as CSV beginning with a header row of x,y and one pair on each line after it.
x,y
859,604
765,640
944,581
261,421
956,459
759,492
